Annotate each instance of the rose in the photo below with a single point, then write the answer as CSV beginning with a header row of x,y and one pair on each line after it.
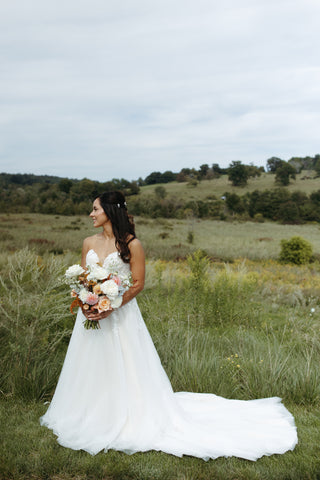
x,y
83,295
74,271
97,273
117,302
96,289
110,288
92,298
117,280
104,305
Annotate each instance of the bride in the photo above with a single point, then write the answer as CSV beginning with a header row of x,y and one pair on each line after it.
x,y
113,392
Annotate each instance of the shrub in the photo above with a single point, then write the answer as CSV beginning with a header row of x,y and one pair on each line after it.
x,y
190,237
296,250
198,264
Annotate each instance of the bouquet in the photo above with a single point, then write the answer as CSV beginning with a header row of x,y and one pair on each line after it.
x,y
96,288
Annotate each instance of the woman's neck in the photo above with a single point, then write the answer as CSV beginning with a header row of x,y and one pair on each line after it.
x,y
108,232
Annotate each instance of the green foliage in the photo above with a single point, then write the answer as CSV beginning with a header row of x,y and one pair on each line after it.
x,y
190,237
273,164
238,174
297,250
160,191
235,203
284,172
198,263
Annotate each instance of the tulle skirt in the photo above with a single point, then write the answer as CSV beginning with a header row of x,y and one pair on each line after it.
x,y
113,393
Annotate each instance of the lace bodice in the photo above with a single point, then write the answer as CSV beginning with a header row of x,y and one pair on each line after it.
x,y
112,262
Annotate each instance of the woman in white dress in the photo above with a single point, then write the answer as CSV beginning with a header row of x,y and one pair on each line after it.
x,y
113,392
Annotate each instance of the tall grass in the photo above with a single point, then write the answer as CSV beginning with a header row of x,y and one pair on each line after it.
x,y
217,328
34,324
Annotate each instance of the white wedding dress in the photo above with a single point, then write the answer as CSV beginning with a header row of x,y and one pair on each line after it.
x,y
113,393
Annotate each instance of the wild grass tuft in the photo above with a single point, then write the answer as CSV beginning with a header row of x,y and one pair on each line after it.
x,y
34,324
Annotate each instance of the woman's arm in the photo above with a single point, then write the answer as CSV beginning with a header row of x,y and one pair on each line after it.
x,y
85,249
137,267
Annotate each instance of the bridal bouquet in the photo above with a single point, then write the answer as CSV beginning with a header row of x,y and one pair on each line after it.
x,y
96,288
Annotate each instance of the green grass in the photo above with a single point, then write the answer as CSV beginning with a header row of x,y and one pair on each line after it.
x,y
244,329
31,452
224,241
221,185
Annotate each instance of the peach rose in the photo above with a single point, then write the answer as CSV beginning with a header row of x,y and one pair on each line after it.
x,y
104,305
96,289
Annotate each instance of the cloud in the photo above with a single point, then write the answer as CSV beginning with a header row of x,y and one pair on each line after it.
x,y
119,89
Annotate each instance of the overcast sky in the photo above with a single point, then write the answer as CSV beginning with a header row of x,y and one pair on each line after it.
x,y
117,89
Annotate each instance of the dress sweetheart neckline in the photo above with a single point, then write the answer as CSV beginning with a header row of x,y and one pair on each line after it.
x,y
102,262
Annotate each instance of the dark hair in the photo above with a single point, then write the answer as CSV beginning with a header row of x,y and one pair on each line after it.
x,y
115,207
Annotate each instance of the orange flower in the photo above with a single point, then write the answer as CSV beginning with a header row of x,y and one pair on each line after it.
x,y
73,293
104,305
96,289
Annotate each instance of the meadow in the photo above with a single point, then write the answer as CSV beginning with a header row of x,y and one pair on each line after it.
x,y
306,182
226,317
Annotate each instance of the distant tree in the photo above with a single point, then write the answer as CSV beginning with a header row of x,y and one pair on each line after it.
x,y
140,182
289,213
234,203
65,184
317,165
238,174
315,198
203,170
154,177
253,171
273,164
168,176
284,172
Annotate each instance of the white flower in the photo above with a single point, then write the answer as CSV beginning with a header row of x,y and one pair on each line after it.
x,y
110,288
74,271
312,310
116,303
97,273
83,295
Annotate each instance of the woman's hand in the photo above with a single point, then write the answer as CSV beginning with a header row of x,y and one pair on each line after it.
x,y
95,316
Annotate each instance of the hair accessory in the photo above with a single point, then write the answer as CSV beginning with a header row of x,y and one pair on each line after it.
x,y
123,205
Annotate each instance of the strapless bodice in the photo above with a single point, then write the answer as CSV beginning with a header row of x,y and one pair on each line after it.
x,y
113,262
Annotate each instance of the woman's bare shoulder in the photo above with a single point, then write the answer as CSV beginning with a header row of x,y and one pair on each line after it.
x,y
88,242
135,246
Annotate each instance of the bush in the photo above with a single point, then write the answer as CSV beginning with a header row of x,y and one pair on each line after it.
x,y
296,250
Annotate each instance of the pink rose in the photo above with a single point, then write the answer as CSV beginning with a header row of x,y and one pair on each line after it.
x,y
92,299
116,280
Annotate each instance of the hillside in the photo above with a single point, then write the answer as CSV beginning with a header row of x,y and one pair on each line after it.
x,y
306,183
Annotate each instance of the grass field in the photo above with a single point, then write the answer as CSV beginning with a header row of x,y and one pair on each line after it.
x,y
165,239
249,329
221,185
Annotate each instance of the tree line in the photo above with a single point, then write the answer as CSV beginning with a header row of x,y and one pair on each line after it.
x,y
55,195
277,205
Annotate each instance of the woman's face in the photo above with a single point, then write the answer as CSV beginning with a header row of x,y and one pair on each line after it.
x,y
98,215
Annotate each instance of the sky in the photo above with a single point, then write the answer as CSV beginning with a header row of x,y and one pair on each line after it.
x,y
121,88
